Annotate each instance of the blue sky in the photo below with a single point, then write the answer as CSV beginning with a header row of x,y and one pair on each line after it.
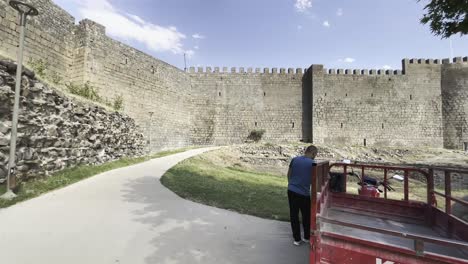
x,y
271,33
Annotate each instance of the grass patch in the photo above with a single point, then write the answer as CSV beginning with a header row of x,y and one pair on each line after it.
x,y
69,176
233,188
260,194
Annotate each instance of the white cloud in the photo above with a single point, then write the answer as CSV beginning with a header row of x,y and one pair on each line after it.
x,y
303,5
339,12
326,23
387,67
347,60
196,47
131,27
198,36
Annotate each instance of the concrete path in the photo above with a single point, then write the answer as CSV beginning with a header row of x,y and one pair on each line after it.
x,y
127,216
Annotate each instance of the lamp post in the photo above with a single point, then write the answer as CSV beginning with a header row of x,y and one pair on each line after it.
x,y
149,131
24,11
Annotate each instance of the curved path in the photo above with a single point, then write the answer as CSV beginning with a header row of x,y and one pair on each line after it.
x,y
127,216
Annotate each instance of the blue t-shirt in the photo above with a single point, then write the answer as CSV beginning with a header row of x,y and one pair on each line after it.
x,y
301,173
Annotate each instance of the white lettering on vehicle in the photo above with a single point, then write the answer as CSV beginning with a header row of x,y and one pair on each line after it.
x,y
379,261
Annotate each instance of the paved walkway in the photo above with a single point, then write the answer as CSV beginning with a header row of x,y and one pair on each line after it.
x,y
127,216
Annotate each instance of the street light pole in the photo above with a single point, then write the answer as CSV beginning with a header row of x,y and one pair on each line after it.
x,y
24,10
149,131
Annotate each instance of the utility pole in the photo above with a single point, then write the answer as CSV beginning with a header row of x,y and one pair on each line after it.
x,y
24,11
185,62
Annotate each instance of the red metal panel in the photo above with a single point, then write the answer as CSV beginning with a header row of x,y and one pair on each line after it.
x,y
346,250
406,185
385,181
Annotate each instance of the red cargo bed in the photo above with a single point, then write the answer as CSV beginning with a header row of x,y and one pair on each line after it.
x,y
348,228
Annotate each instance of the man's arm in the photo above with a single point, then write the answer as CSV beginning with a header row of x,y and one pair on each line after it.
x,y
290,170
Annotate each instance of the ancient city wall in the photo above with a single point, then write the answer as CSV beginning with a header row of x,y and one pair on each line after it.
x,y
424,104
232,103
455,103
378,107
48,36
147,85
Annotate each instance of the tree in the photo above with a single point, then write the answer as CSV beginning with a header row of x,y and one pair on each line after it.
x,y
447,17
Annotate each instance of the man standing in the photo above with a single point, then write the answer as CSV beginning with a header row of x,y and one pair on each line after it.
x,y
299,178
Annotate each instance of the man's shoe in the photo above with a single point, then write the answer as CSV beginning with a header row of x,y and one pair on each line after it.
x,y
305,240
297,243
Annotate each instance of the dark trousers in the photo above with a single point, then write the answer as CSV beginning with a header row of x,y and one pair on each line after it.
x,y
298,203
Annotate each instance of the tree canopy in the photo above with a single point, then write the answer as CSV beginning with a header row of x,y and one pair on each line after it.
x,y
446,17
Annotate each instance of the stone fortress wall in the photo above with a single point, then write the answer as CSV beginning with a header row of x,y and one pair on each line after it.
x,y
424,104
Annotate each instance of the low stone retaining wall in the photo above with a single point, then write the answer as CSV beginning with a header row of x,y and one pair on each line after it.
x,y
56,132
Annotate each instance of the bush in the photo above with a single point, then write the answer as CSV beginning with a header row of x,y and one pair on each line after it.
x,y
256,134
86,91
55,78
39,66
118,103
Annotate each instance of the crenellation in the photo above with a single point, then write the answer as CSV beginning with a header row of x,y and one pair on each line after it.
x,y
348,71
372,72
192,69
274,70
216,70
290,71
421,61
446,61
457,60
299,71
332,71
282,70
389,72
241,70
200,70
365,72
225,69
340,71
266,70
465,59
208,70
249,70
257,70
429,61
357,72
233,69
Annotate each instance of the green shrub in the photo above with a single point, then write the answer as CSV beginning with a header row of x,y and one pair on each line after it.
x,y
256,134
86,91
118,103
55,78
39,66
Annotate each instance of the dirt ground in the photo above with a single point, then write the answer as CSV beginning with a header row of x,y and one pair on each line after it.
x,y
274,158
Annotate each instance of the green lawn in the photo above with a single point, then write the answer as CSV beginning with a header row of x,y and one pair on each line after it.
x,y
68,176
253,193
246,192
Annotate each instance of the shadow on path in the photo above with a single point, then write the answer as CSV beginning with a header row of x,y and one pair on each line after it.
x,y
182,231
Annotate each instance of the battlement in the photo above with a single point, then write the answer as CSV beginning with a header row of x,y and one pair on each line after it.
x,y
249,70
436,61
371,72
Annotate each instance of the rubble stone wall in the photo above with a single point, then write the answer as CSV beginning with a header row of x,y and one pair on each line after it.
x,y
55,132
